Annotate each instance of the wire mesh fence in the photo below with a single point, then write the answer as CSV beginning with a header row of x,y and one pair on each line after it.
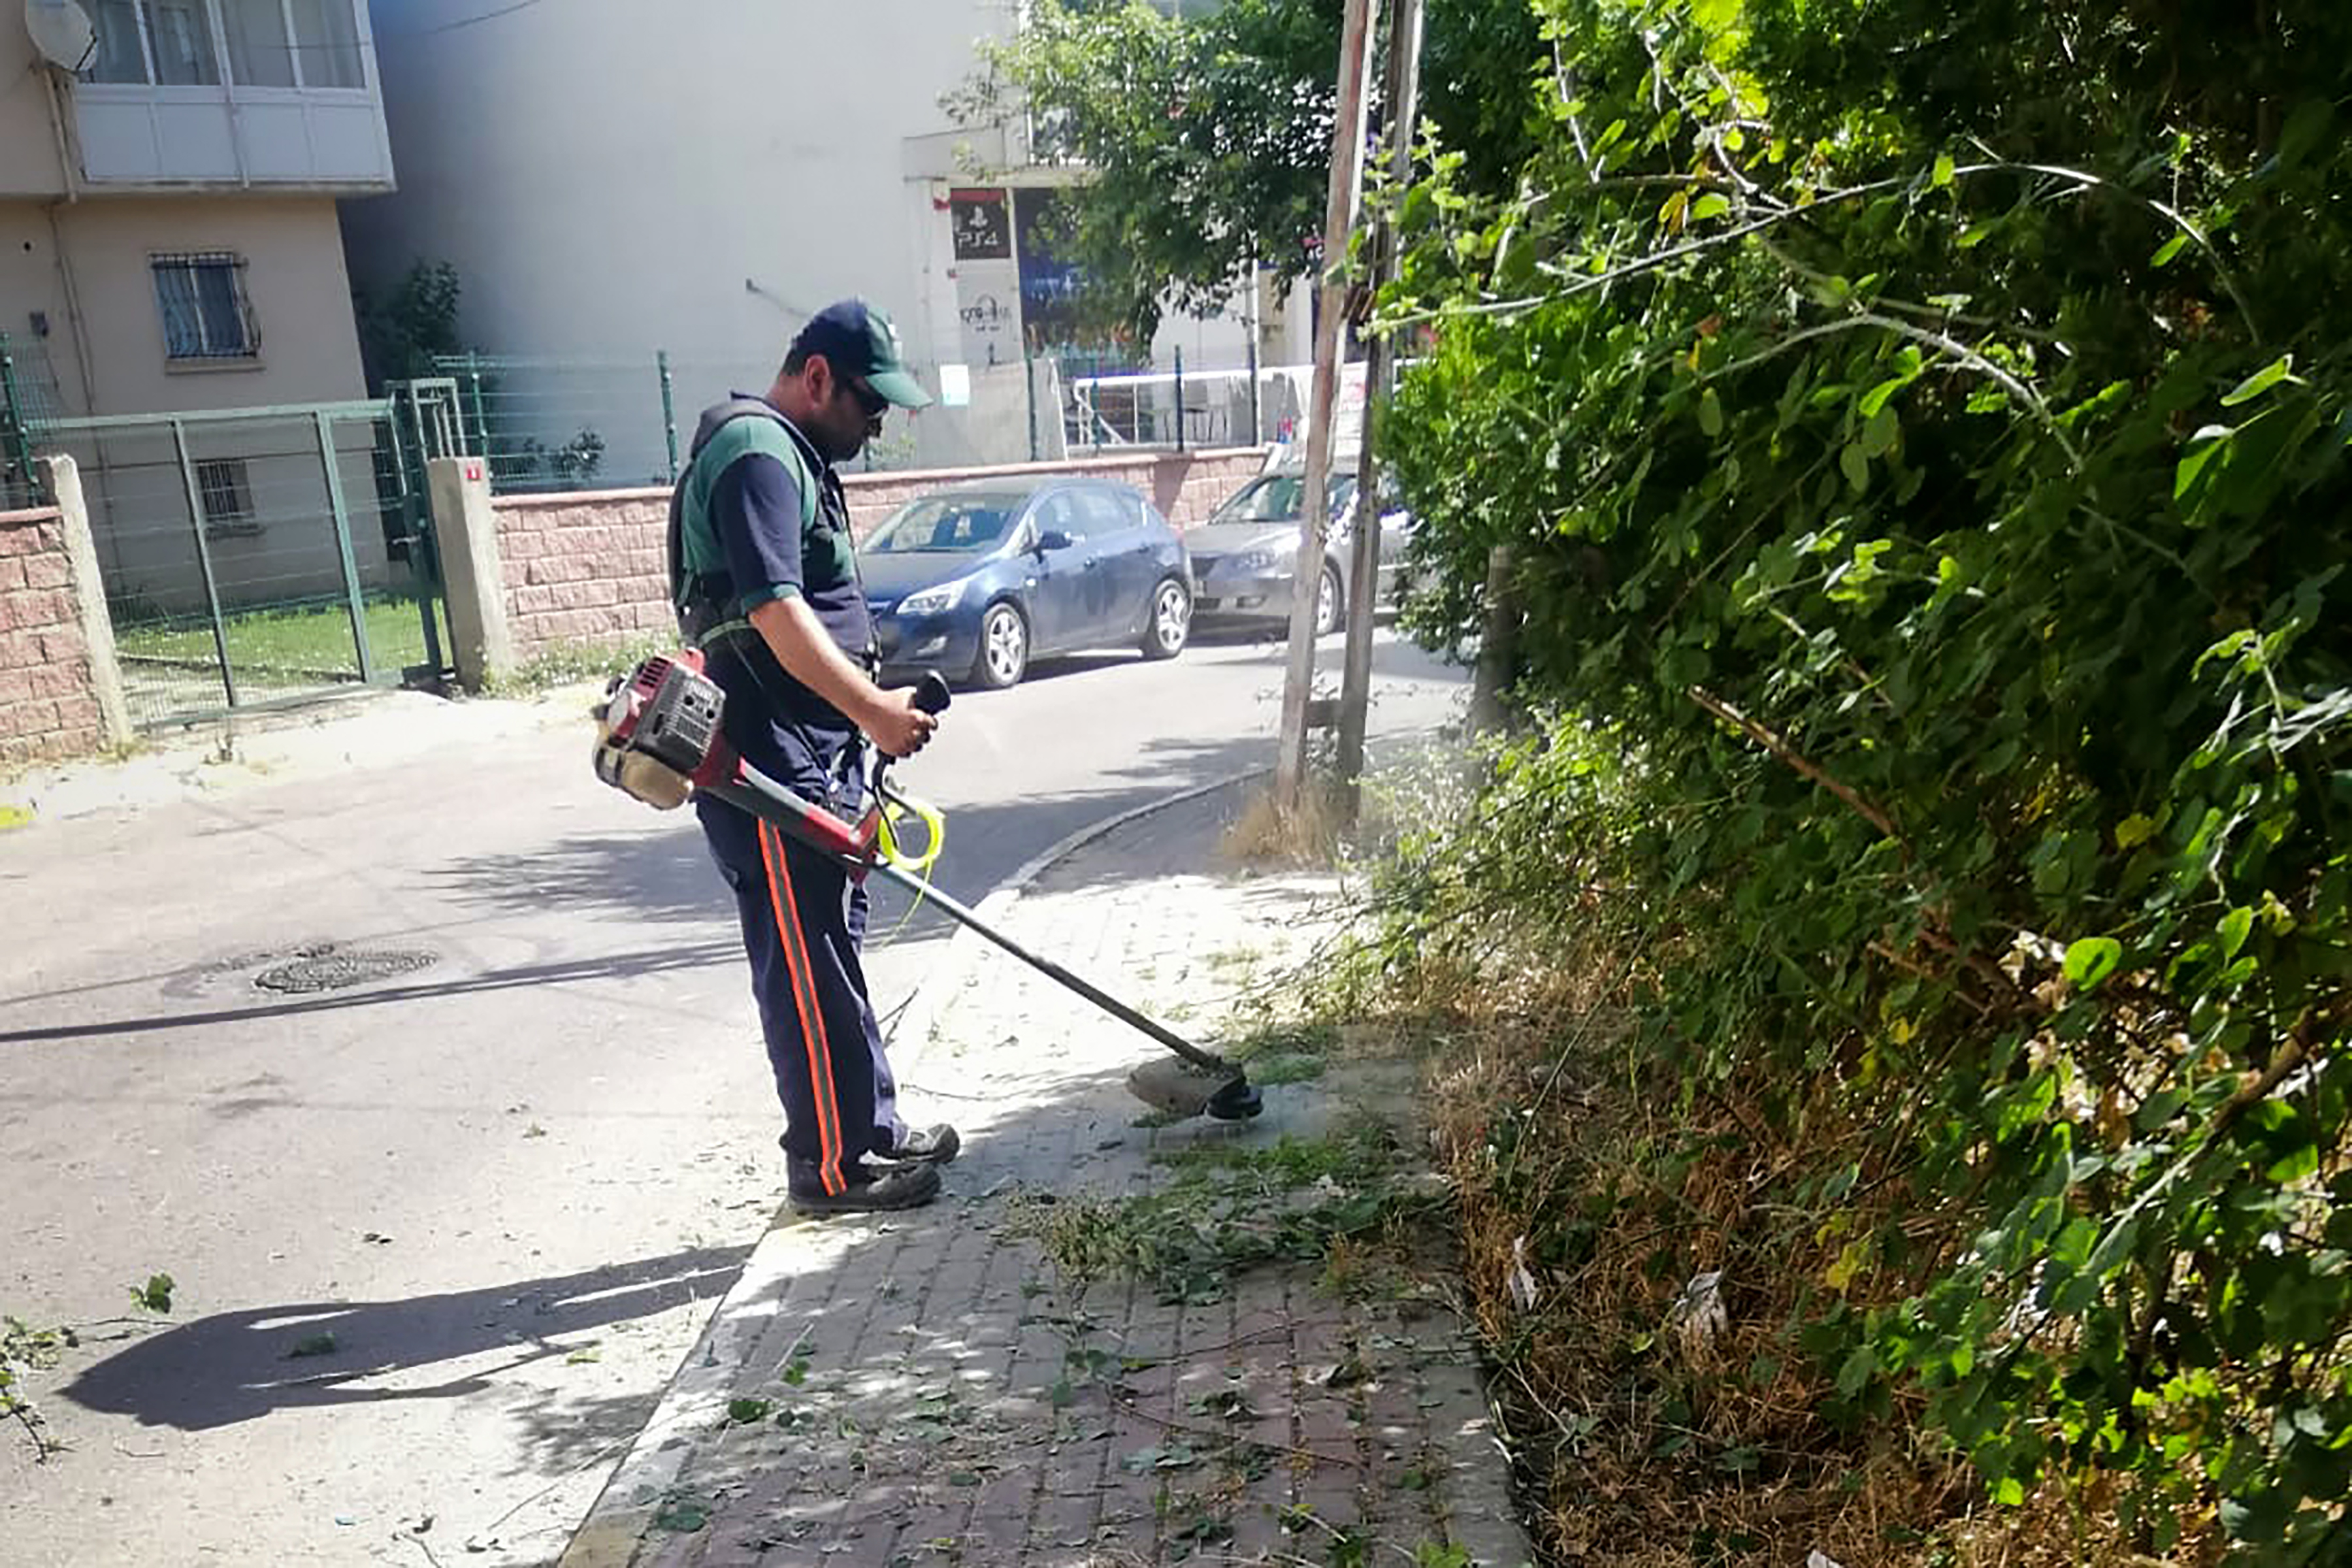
x,y
29,399
257,557
627,419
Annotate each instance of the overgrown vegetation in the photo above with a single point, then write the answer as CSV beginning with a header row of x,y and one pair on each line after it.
x,y
1897,1001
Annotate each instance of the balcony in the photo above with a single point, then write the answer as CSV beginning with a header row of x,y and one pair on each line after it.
x,y
268,94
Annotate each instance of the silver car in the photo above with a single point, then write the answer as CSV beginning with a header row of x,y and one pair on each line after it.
x,y
1243,556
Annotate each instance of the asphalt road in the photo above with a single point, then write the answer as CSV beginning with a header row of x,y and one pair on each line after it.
x,y
440,1239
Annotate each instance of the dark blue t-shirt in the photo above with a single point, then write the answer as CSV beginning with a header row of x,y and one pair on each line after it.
x,y
779,726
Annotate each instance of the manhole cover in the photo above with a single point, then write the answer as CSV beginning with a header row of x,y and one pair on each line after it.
x,y
329,967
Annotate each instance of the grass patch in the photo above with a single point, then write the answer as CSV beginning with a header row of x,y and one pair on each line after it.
x,y
314,637
573,663
1270,833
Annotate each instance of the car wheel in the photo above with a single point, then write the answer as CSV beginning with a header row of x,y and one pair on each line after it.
x,y
1327,602
1003,648
1170,621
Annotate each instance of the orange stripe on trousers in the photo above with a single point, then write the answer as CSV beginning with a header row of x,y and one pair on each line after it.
x,y
804,1003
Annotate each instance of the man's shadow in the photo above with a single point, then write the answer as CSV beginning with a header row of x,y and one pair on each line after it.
x,y
234,1366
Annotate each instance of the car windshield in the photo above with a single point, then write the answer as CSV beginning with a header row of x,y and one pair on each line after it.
x,y
1275,498
949,524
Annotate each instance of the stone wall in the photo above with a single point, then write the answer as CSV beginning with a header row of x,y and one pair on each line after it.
x,y
48,693
592,567
584,568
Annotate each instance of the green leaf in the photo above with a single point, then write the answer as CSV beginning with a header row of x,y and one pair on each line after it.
x,y
2169,250
1875,399
2091,960
1944,168
1878,435
2009,1492
2133,831
1854,463
2203,448
155,1295
2278,370
2236,926
1711,205
1857,1370
2299,1166
1710,414
744,1412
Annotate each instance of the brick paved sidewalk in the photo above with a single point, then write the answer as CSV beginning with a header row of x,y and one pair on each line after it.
x,y
927,1390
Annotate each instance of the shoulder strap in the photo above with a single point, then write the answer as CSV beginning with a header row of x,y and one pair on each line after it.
x,y
714,421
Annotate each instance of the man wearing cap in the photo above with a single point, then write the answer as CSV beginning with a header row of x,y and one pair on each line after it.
x,y
765,578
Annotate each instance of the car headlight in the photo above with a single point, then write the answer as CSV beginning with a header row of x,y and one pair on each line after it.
x,y
931,601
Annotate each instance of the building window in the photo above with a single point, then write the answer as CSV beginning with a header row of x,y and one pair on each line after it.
x,y
259,53
271,43
166,43
327,43
225,491
206,316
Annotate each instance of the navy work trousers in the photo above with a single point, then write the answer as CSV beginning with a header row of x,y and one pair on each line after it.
x,y
803,922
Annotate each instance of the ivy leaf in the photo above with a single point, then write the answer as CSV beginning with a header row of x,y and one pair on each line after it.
x,y
2091,960
2278,370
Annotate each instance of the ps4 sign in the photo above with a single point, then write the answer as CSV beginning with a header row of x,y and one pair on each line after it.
x,y
981,222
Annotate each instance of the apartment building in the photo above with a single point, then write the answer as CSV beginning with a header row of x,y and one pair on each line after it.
x,y
169,243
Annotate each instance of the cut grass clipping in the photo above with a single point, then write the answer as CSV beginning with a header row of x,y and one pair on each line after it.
x,y
1219,1210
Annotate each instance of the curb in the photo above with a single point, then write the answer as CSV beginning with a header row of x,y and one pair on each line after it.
x,y
609,1537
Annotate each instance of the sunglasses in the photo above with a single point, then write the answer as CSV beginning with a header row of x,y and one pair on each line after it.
x,y
870,403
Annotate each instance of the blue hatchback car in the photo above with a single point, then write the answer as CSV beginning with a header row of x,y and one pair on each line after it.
x,y
977,582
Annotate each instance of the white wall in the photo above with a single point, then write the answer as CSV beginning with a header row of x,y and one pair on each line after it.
x,y
606,175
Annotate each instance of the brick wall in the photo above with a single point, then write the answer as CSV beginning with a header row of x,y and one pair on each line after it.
x,y
48,701
592,567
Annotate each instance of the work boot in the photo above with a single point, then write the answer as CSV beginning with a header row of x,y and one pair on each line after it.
x,y
934,1145
870,1189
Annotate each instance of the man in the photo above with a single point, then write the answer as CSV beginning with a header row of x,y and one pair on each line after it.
x,y
765,578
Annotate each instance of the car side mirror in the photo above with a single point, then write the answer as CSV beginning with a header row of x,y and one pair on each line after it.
x,y
1053,539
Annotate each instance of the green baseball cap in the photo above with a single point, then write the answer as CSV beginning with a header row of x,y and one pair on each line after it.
x,y
857,340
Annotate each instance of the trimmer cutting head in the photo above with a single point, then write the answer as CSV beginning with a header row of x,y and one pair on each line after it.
x,y
1175,1087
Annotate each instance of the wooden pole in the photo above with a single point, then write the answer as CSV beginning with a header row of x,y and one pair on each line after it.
x,y
1338,223
1380,371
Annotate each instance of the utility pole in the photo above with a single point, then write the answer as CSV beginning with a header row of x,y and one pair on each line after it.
x,y
1380,375
1338,223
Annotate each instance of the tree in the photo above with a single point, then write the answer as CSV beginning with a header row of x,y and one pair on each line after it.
x,y
403,333
1207,141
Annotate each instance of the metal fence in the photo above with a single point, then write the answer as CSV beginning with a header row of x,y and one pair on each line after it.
x,y
257,557
627,419
29,399
573,424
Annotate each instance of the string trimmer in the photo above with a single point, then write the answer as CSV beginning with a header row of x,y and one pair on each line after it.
x,y
659,739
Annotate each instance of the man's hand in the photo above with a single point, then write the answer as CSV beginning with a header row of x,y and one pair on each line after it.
x,y
896,725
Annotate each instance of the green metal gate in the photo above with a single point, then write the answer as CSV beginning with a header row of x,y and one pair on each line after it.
x,y
260,557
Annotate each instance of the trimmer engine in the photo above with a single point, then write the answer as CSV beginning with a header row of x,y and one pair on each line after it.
x,y
659,737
